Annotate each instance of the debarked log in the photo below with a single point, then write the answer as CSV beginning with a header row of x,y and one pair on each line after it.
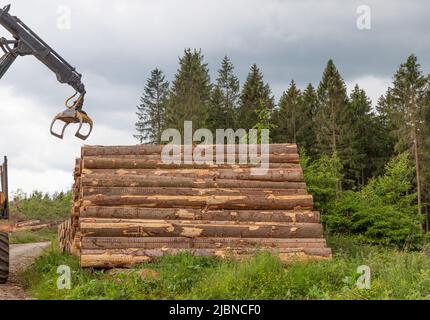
x,y
291,174
193,229
157,149
112,163
232,202
186,192
232,159
198,243
154,181
305,216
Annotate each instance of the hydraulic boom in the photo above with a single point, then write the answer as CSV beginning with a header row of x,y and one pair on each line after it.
x,y
26,42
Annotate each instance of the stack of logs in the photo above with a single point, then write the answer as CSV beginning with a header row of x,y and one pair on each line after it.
x,y
130,207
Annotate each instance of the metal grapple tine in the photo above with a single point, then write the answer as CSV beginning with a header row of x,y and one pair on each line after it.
x,y
83,118
58,118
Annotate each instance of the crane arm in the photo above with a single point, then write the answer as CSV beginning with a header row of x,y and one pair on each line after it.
x,y
26,42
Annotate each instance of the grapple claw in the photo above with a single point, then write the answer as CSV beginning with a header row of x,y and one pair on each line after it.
x,y
72,116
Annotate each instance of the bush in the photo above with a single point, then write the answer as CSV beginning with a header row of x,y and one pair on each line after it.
x,y
322,178
384,211
42,206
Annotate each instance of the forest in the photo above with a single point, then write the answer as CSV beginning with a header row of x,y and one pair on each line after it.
x,y
365,163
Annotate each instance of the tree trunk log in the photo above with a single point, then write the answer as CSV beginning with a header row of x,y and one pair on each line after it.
x,y
153,181
198,243
127,258
197,214
139,150
175,228
187,192
291,174
254,202
112,163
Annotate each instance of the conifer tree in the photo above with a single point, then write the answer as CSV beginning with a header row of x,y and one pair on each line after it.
x,y
310,108
191,92
408,105
359,136
332,112
224,99
152,109
288,118
253,93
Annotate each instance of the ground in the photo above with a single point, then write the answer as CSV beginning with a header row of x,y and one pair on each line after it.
x,y
394,273
21,257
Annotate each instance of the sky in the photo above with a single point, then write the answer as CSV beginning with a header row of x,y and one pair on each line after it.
x,y
115,45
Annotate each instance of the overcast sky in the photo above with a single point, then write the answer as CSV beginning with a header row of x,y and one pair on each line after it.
x,y
115,44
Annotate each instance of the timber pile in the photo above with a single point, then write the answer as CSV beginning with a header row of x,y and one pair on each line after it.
x,y
130,207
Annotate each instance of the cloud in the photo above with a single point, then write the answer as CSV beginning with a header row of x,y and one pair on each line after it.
x,y
115,44
374,86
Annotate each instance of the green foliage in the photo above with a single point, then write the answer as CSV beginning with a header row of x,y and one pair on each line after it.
x,y
322,177
310,103
264,122
223,108
44,235
331,120
288,117
254,93
42,206
384,211
152,108
394,275
190,94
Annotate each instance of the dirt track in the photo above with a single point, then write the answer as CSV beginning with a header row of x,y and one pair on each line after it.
x,y
21,256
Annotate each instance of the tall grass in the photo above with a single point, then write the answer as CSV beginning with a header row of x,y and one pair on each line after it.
x,y
395,275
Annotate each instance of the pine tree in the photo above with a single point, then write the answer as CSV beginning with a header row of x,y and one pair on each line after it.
x,y
223,107
152,109
191,92
407,111
253,93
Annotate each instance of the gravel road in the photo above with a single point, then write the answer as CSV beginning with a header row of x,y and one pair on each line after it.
x,y
21,256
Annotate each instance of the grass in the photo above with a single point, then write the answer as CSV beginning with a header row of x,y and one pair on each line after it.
x,y
395,275
44,235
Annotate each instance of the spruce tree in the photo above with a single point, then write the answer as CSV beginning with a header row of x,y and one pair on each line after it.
x,y
310,108
152,109
254,93
224,99
191,92
407,111
288,118
332,112
360,136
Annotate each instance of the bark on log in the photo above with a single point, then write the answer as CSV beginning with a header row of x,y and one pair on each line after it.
x,y
254,202
153,181
197,214
186,192
175,228
112,163
227,159
291,174
157,149
198,243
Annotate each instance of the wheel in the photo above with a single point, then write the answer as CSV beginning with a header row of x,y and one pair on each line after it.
x,y
4,257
